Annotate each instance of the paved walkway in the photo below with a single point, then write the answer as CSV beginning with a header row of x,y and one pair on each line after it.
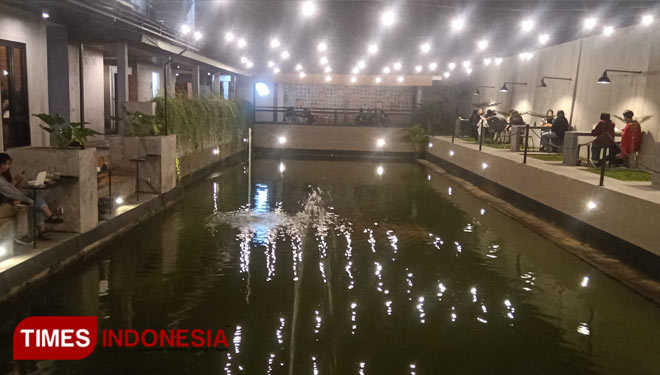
x,y
639,189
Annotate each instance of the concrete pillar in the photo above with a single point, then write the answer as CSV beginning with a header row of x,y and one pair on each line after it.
x,y
195,81
122,84
58,71
570,153
216,87
517,134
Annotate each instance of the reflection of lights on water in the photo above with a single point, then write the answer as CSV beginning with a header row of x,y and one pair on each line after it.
x,y
361,372
412,368
473,291
270,253
583,329
482,211
353,317
215,197
380,170
441,290
315,366
585,282
371,240
393,241
388,304
459,248
510,309
237,339
453,314
318,320
278,334
492,251
420,308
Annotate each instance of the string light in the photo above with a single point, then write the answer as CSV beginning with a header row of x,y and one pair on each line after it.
x,y
387,18
372,49
400,79
608,30
378,80
299,67
425,47
327,69
271,64
446,74
397,66
527,25
647,19
328,78
274,43
487,61
452,65
590,23
229,36
544,38
386,70
355,70
498,60
323,61
418,68
241,43
302,75
308,8
433,66
353,79
185,29
276,70
285,55
482,44
457,24
322,47
198,35
361,64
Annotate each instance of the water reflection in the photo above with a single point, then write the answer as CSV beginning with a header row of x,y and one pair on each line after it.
x,y
331,247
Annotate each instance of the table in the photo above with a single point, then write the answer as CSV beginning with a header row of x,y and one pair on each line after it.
x,y
63,180
137,161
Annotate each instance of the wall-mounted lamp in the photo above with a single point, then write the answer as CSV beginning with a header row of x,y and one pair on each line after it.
x,y
506,89
476,91
605,80
557,78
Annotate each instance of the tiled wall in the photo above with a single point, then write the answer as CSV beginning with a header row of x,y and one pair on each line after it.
x,y
339,96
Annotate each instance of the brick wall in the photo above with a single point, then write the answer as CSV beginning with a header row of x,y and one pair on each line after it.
x,y
339,96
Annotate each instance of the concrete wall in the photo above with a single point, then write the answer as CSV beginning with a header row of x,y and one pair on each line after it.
x,y
564,194
329,138
28,28
630,48
144,81
94,87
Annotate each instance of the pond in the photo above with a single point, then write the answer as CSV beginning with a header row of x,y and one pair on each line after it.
x,y
388,268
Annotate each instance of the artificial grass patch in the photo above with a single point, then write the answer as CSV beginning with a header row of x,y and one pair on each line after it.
x,y
500,146
623,174
547,157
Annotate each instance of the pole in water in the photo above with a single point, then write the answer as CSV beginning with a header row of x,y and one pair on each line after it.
x,y
454,133
249,165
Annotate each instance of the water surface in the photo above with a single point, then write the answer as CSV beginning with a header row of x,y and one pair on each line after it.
x,y
391,269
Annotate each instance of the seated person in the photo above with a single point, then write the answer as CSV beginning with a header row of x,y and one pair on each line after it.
x,y
631,138
496,125
549,118
290,115
516,119
555,136
475,120
604,133
361,117
309,117
10,194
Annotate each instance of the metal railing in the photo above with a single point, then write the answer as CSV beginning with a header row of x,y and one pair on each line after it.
x,y
332,116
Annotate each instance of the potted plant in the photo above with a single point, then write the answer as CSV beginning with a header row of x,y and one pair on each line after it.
x,y
418,137
66,135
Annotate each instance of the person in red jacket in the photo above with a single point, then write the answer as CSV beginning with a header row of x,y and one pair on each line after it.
x,y
631,139
604,133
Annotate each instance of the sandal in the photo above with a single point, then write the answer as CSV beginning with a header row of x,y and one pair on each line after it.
x,y
54,219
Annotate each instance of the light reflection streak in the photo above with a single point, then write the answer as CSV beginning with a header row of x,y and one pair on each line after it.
x,y
409,281
393,241
318,320
315,367
353,318
371,240
510,309
459,248
453,314
361,370
215,197
583,329
278,332
438,242
441,290
473,291
348,254
388,304
271,244
492,251
420,308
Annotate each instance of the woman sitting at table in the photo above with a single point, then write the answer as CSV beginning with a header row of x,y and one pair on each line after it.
x,y
631,138
10,194
604,133
555,137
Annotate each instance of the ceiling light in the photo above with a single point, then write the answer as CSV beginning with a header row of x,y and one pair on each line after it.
x,y
308,8
433,66
386,70
589,23
322,47
498,60
198,35
608,30
302,75
647,19
361,64
526,56
372,49
274,43
387,18
378,80
604,79
327,69
527,25
467,64
418,68
185,29
249,64
271,64
299,68
328,78
355,70
397,66
452,65
284,55
353,79
229,36
242,43
487,61
457,24
276,70
323,61
425,47
543,38
244,59
482,44
468,71
399,79
45,14
446,74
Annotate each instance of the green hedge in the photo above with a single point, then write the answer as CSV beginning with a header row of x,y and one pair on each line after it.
x,y
205,122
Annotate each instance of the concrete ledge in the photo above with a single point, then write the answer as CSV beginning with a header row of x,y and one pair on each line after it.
x,y
622,225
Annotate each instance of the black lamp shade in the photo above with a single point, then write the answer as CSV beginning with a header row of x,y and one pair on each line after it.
x,y
476,92
543,83
504,88
604,79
